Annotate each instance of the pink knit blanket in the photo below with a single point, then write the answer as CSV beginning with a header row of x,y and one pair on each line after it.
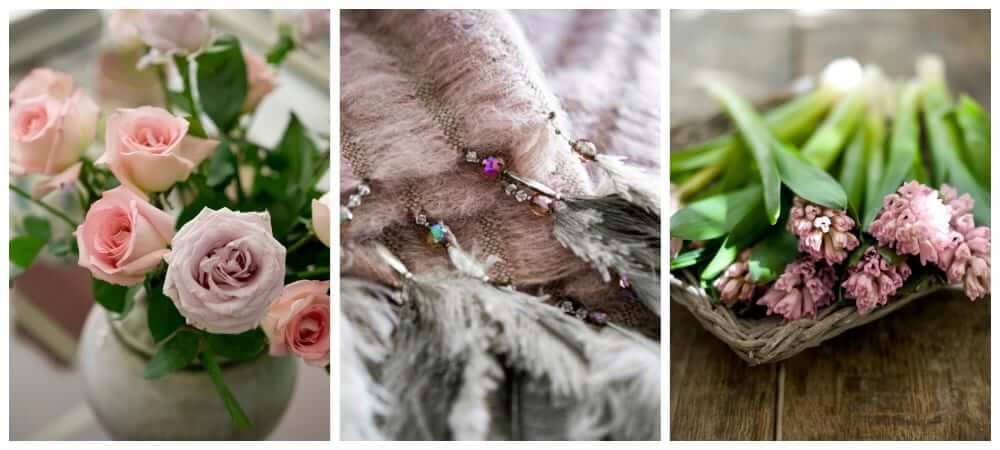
x,y
417,88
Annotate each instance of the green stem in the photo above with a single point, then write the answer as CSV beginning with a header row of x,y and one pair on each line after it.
x,y
44,205
302,241
312,273
184,68
239,417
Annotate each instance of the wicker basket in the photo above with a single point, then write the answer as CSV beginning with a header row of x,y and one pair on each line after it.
x,y
771,339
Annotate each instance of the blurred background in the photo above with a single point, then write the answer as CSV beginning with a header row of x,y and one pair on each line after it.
x,y
50,301
921,373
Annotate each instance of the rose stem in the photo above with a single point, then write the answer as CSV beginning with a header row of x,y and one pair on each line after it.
x,y
44,205
239,417
311,273
302,241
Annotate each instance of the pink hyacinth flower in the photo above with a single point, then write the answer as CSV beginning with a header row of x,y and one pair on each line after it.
x,y
967,261
914,221
873,280
803,288
735,284
823,233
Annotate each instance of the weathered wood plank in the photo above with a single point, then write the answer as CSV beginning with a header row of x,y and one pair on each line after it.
x,y
922,374
713,394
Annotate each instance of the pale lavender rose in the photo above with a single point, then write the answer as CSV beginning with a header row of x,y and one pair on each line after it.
x,y
823,233
872,280
225,269
169,31
914,221
123,29
805,285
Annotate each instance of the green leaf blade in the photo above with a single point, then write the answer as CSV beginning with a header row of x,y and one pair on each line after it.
x,y
238,347
163,319
111,296
714,216
175,354
222,82
759,139
24,249
808,181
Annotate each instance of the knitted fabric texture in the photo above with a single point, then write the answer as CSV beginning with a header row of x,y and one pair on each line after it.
x,y
420,87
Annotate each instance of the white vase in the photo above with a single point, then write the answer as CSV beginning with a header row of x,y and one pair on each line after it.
x,y
183,405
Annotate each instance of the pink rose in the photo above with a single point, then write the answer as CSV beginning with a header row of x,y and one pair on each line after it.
x,y
261,80
148,148
48,134
321,218
123,29
43,82
300,322
123,237
175,30
225,269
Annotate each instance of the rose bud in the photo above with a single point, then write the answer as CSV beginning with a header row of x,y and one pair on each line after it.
x,y
261,80
225,269
43,82
181,31
48,134
321,218
300,322
148,148
123,237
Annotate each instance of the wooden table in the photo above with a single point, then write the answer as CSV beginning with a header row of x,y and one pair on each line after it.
x,y
922,373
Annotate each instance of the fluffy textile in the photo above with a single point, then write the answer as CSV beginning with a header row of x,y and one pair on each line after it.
x,y
417,87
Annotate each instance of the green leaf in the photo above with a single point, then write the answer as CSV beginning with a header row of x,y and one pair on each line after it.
x,y
760,141
714,216
903,148
222,82
238,347
875,149
688,258
24,250
285,44
221,166
744,233
770,256
236,413
38,227
825,144
290,191
162,316
808,181
852,169
975,127
110,296
175,354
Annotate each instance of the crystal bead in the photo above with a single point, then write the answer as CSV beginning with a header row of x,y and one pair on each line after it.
x,y
353,201
364,190
586,149
623,282
436,234
598,317
421,219
540,205
345,214
510,189
492,167
580,314
471,156
566,306
521,196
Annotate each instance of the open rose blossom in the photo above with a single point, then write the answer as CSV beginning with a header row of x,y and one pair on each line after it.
x,y
181,31
872,280
914,221
967,261
261,80
300,322
321,218
148,148
823,233
225,268
123,237
804,287
43,82
49,134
